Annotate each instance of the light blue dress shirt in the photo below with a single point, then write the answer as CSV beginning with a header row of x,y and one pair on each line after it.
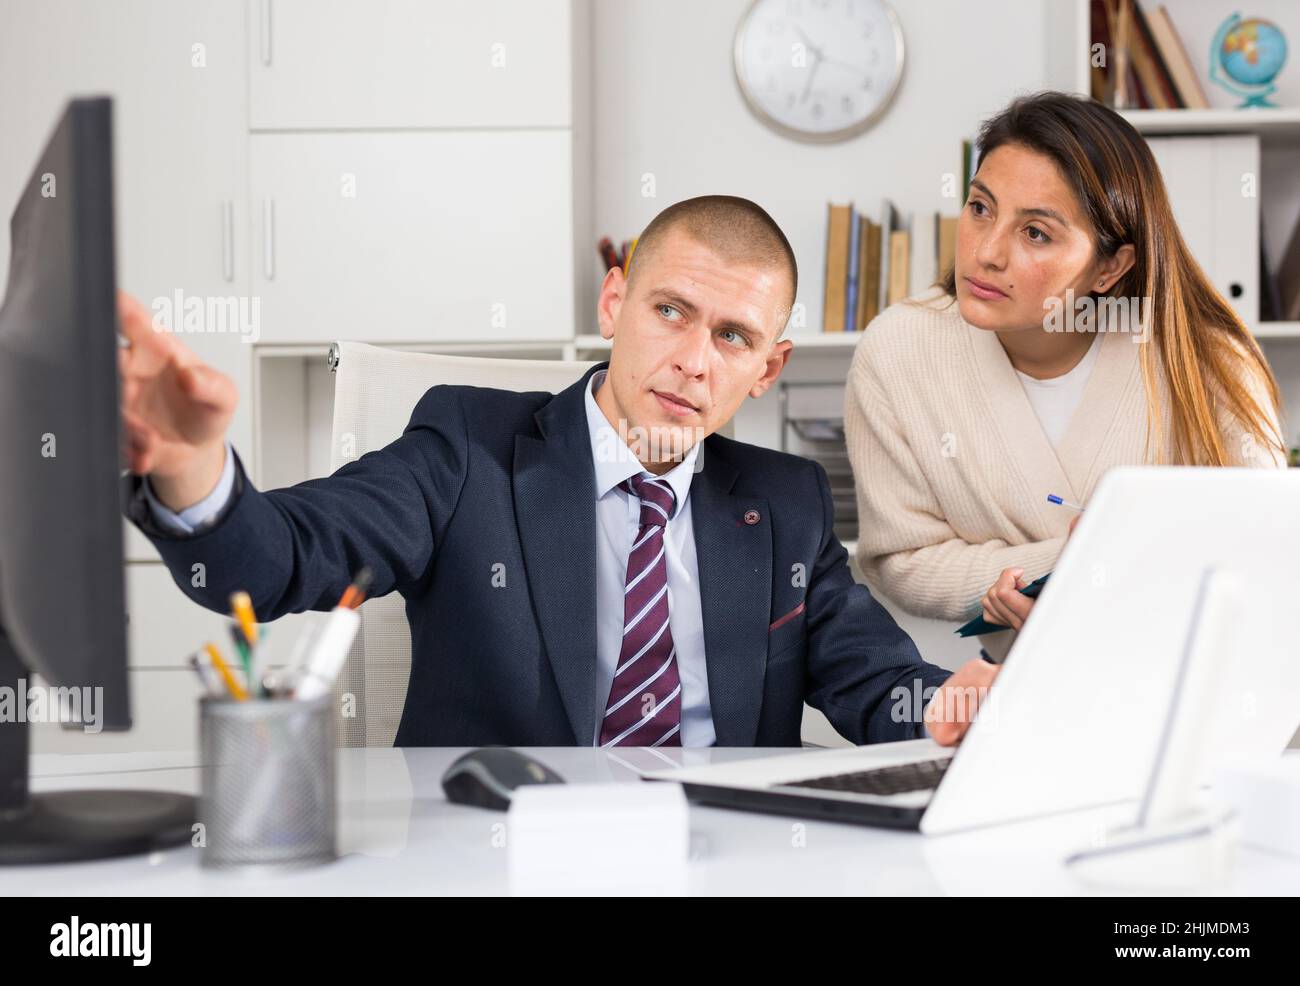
x,y
618,518
197,516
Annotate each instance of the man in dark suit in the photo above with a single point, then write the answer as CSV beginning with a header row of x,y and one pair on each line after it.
x,y
593,567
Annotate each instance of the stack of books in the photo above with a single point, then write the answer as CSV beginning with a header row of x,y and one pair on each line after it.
x,y
868,264
1146,64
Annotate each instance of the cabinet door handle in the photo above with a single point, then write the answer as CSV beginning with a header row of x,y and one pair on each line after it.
x,y
268,238
265,38
228,240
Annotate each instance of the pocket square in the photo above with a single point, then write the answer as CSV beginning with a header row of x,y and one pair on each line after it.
x,y
782,621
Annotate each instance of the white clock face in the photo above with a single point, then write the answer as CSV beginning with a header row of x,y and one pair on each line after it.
x,y
819,69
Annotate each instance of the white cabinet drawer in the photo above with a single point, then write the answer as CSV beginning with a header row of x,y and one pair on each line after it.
x,y
384,64
165,627
413,237
164,716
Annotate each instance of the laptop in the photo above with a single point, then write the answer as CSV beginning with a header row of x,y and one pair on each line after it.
x,y
1075,717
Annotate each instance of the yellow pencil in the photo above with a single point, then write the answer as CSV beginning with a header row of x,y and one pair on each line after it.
x,y
236,689
242,608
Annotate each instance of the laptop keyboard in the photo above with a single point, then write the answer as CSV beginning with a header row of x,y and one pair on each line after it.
x,y
919,776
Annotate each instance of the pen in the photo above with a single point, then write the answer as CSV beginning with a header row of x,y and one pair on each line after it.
x,y
328,653
1053,498
245,657
202,665
355,594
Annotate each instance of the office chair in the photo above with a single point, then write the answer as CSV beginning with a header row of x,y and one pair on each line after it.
x,y
375,391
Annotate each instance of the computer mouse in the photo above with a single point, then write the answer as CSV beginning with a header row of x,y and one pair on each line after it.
x,y
487,778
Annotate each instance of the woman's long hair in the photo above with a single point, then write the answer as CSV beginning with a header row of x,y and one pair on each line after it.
x,y
1205,350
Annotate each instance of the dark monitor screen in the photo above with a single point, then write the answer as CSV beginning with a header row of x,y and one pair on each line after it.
x,y
62,595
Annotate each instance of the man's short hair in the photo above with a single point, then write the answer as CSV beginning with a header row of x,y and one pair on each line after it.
x,y
736,229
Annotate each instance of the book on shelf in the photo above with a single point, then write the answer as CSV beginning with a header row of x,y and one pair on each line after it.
x,y
1179,65
890,223
837,267
870,260
851,289
1147,65
945,243
900,254
868,265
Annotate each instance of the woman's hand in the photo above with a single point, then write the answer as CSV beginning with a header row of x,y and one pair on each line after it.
x,y
1003,604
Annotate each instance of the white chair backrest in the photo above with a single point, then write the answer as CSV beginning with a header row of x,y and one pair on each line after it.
x,y
375,391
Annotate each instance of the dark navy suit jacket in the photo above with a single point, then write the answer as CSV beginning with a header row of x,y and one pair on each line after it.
x,y
488,483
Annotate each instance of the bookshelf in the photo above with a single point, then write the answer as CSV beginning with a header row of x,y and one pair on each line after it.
x,y
1274,126
1277,330
1278,128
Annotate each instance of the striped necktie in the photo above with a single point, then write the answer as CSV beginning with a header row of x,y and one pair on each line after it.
x,y
645,699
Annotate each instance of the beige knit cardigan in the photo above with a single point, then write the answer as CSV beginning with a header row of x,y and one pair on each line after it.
x,y
952,466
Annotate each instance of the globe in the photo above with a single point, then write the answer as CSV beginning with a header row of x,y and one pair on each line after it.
x,y
1250,52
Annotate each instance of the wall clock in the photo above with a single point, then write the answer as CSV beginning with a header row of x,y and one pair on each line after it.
x,y
819,70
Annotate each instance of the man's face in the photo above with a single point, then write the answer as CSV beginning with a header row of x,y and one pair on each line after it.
x,y
693,337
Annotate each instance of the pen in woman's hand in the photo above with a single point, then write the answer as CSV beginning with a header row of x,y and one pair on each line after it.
x,y
1053,498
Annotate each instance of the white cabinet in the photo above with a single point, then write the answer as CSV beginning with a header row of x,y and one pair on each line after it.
x,y
413,236
340,64
175,70
392,171
164,716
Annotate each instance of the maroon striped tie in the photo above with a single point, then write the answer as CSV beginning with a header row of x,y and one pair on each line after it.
x,y
645,699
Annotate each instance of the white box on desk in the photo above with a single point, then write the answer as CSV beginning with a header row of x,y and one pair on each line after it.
x,y
1266,796
598,838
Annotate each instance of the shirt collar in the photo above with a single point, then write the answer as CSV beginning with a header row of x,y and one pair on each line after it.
x,y
615,462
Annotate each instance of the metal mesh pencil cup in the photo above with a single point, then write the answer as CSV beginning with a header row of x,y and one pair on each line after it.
x,y
267,791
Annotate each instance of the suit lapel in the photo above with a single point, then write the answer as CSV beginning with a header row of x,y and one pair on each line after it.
x,y
734,559
555,509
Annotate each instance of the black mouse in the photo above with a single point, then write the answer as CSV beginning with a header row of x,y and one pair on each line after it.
x,y
487,778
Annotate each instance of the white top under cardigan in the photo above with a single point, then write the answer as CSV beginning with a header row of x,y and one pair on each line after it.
x,y
1055,399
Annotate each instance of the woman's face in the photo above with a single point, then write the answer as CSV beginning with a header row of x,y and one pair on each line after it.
x,y
1021,240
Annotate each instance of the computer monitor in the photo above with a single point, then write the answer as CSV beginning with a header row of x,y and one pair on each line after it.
x,y
62,586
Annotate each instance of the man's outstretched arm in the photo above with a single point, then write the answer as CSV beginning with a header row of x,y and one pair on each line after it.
x,y
291,549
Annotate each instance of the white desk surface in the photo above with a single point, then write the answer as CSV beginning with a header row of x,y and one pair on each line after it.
x,y
399,835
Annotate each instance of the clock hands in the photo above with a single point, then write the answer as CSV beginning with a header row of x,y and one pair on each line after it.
x,y
807,42
819,56
848,65
817,61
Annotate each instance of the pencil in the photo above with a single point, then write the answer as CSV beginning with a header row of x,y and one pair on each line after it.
x,y
241,607
232,683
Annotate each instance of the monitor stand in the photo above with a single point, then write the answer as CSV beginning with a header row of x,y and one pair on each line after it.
x,y
62,826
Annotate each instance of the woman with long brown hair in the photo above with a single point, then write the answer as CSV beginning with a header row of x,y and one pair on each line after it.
x,y
1074,333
